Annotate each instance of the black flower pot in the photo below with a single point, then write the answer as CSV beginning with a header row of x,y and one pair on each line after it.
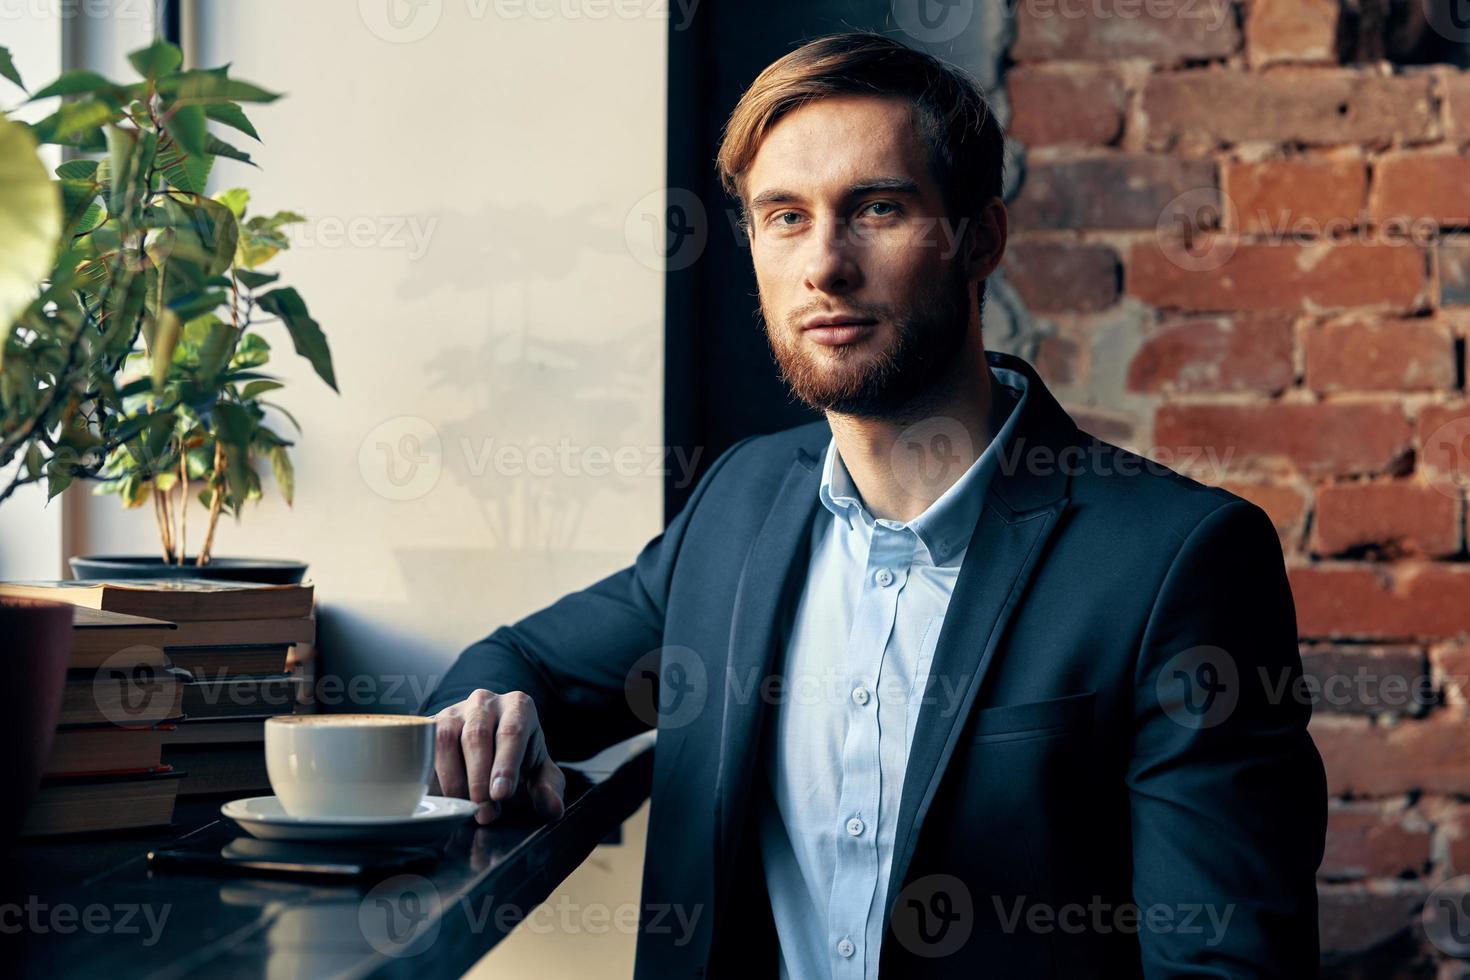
x,y
267,571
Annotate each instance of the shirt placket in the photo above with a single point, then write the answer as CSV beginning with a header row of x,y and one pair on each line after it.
x,y
854,883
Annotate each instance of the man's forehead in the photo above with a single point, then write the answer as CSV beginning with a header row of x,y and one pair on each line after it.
x,y
835,142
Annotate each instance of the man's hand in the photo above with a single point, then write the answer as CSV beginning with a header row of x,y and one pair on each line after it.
x,y
488,745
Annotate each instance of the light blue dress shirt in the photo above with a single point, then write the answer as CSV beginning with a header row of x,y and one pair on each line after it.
x,y
856,666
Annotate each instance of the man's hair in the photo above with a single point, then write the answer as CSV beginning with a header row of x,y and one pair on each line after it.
x,y
952,117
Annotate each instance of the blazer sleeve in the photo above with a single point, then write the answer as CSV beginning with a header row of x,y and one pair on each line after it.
x,y
574,657
1227,790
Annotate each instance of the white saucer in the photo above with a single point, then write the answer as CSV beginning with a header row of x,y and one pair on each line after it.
x,y
264,817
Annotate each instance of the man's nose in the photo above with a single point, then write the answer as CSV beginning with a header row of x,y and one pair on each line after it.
x,y
832,265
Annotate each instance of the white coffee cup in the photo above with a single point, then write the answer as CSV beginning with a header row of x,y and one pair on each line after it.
x,y
349,765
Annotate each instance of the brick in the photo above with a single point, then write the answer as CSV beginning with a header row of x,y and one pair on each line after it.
x,y
1450,667
1314,439
1454,271
1453,826
1442,435
1353,919
1118,191
1454,87
1167,34
1315,107
1054,276
1285,505
1205,354
1291,30
1296,198
1385,519
1367,680
1057,358
1430,754
1290,277
1406,601
1383,355
1055,105
1411,186
1370,840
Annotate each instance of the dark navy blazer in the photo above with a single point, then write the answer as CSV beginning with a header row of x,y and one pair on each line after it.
x,y
1111,775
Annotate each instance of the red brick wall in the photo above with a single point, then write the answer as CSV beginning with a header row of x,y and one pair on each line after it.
x,y
1235,249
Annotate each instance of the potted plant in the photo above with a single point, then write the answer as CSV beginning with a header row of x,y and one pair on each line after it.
x,y
194,398
113,252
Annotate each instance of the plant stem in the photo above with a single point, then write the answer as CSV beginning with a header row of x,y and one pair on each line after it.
x,y
183,504
215,501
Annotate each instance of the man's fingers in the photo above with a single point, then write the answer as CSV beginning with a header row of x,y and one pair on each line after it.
x,y
448,760
514,735
477,741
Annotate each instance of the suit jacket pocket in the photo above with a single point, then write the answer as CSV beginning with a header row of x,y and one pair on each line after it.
x,y
1032,719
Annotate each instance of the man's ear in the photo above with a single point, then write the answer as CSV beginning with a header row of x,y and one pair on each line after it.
x,y
984,241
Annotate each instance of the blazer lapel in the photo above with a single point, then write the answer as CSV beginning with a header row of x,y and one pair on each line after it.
x,y
1021,511
769,583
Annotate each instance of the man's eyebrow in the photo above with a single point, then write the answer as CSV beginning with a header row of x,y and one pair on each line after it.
x,y
888,185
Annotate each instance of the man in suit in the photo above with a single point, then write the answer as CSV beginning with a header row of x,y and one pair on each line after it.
x,y
947,686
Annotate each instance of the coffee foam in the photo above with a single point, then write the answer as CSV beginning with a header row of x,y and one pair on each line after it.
x,y
352,720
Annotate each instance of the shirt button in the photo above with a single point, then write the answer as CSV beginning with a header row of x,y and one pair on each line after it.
x,y
855,827
860,694
884,577
845,947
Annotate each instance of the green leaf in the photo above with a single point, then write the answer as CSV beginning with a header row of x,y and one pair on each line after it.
x,y
72,120
77,170
158,59
213,85
184,171
199,231
165,339
191,305
257,388
220,148
236,199
77,83
7,68
231,115
30,221
58,478
254,280
306,333
186,123
78,197
284,473
214,353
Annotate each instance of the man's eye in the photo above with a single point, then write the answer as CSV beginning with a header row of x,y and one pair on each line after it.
x,y
892,209
780,217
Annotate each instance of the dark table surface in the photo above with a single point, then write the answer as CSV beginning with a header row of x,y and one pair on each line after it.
x,y
91,907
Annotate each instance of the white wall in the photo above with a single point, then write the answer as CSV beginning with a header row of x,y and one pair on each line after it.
x,y
468,192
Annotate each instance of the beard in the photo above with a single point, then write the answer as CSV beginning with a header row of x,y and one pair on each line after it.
x,y
893,382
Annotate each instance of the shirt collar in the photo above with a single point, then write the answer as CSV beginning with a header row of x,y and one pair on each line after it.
x,y
945,526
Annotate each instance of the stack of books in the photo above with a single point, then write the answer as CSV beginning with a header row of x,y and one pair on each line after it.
x,y
169,686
